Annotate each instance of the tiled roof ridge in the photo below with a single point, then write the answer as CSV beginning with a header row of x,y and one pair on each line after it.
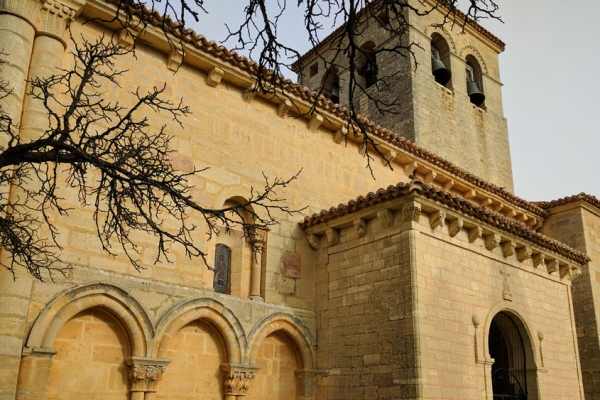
x,y
233,58
443,3
446,198
588,198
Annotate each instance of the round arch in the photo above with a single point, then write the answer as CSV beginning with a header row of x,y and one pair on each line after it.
x,y
472,51
209,311
109,298
431,29
290,326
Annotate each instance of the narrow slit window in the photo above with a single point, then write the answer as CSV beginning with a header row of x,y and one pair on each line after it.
x,y
222,268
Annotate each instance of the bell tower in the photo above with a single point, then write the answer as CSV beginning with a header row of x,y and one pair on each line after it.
x,y
446,95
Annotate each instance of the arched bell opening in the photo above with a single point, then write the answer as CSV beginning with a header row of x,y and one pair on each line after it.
x,y
508,349
474,81
331,85
367,64
440,60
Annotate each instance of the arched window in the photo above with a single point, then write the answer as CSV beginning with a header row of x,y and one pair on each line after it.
x,y
509,375
367,64
222,269
474,81
331,85
440,60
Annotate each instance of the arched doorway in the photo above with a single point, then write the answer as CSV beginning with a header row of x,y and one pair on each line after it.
x,y
507,348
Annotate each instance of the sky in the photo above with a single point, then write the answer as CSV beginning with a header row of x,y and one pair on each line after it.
x,y
551,75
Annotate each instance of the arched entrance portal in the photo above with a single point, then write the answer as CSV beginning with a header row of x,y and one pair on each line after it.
x,y
509,378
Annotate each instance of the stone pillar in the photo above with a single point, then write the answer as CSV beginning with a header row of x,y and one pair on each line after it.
x,y
307,380
144,375
34,373
236,380
258,265
17,32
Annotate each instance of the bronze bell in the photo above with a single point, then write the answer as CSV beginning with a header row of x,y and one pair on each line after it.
x,y
475,94
440,72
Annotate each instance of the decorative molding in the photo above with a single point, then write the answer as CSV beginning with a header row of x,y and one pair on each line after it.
x,y
214,76
506,293
386,218
314,241
440,30
470,50
455,226
315,122
361,226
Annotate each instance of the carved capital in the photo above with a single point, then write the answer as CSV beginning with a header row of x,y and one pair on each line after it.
x,y
55,17
26,9
411,212
237,383
145,373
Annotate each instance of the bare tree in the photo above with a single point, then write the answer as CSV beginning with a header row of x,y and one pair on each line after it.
x,y
119,165
258,34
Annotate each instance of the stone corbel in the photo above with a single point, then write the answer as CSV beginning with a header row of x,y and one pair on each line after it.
x,y
386,218
475,233
508,248
340,134
448,184
469,194
539,259
566,271
497,207
388,156
552,266
492,241
437,219
284,108
55,17
175,59
315,122
249,93
524,253
214,76
455,226
410,168
430,177
485,202
333,236
145,373
314,241
361,226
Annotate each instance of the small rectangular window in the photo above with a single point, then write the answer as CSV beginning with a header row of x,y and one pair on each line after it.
x,y
314,69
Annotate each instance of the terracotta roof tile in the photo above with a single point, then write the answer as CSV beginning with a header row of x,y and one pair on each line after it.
x,y
588,198
326,105
449,200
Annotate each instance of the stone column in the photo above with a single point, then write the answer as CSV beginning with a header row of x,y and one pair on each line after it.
x,y
144,375
17,18
34,373
236,380
258,264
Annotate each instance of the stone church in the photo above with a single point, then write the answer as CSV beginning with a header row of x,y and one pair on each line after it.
x,y
434,281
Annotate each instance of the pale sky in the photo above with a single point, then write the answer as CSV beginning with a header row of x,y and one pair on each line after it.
x,y
551,75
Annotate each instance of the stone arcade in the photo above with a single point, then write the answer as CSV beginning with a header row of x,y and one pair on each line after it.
x,y
443,285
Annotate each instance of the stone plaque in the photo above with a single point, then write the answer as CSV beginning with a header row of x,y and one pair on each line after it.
x,y
291,265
